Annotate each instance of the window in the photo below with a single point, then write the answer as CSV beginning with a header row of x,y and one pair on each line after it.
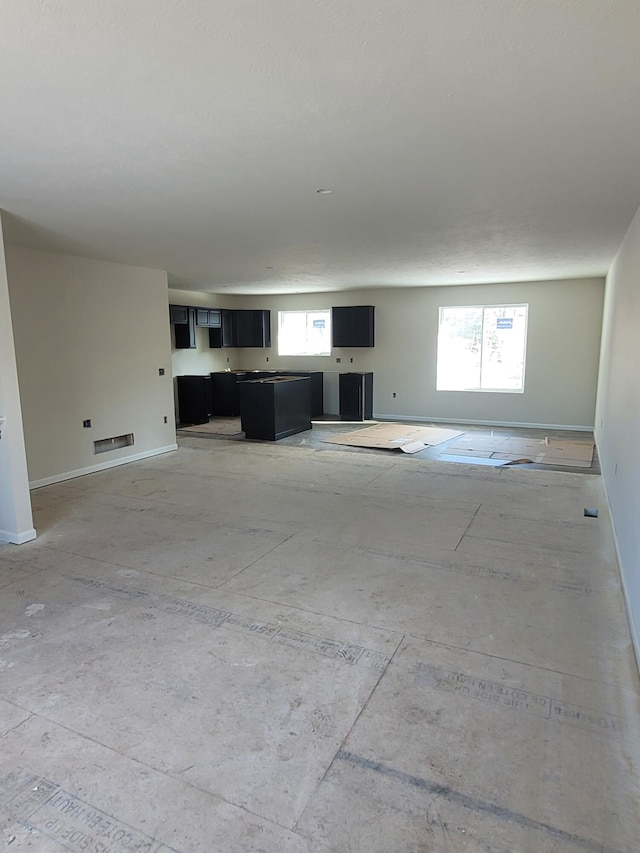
x,y
304,332
482,348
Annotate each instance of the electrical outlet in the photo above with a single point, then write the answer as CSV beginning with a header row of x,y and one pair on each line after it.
x,y
165,420
351,360
338,360
267,358
86,424
394,395
161,371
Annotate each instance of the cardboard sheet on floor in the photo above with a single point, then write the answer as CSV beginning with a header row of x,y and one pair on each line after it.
x,y
409,439
544,451
216,426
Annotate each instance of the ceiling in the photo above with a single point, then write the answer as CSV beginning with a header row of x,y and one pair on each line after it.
x,y
464,141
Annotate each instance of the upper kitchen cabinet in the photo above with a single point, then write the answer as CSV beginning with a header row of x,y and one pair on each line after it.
x,y
210,318
353,326
242,328
223,336
178,314
184,326
252,328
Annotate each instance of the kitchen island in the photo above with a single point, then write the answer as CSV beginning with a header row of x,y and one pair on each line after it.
x,y
275,407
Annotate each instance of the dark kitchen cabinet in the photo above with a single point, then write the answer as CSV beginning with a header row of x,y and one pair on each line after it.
x,y
356,396
184,320
225,393
252,328
316,378
185,333
242,328
274,408
353,326
178,314
194,399
262,374
223,336
208,317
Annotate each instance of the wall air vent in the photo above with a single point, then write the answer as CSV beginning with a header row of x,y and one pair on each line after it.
x,y
115,443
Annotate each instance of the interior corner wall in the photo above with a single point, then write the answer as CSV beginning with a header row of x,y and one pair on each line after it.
x,y
563,345
618,414
16,519
90,337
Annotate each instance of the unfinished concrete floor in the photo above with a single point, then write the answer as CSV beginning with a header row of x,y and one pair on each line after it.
x,y
251,647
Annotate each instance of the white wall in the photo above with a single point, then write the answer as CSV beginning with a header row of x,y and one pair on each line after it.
x,y
16,521
90,337
618,413
562,351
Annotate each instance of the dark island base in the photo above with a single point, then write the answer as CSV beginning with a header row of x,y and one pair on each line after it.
x,y
275,408
276,436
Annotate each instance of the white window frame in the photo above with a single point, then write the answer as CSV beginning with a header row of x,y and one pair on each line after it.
x,y
308,349
483,308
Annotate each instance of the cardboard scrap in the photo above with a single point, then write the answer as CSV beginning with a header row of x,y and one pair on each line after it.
x,y
545,451
392,436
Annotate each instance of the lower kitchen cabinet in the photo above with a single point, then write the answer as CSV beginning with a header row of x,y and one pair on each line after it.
x,y
194,399
274,408
317,384
225,388
356,396
316,378
225,393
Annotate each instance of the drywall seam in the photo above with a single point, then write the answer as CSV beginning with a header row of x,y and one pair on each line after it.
x,y
101,466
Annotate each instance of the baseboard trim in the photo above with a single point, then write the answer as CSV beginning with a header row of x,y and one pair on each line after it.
x,y
17,538
100,466
572,427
